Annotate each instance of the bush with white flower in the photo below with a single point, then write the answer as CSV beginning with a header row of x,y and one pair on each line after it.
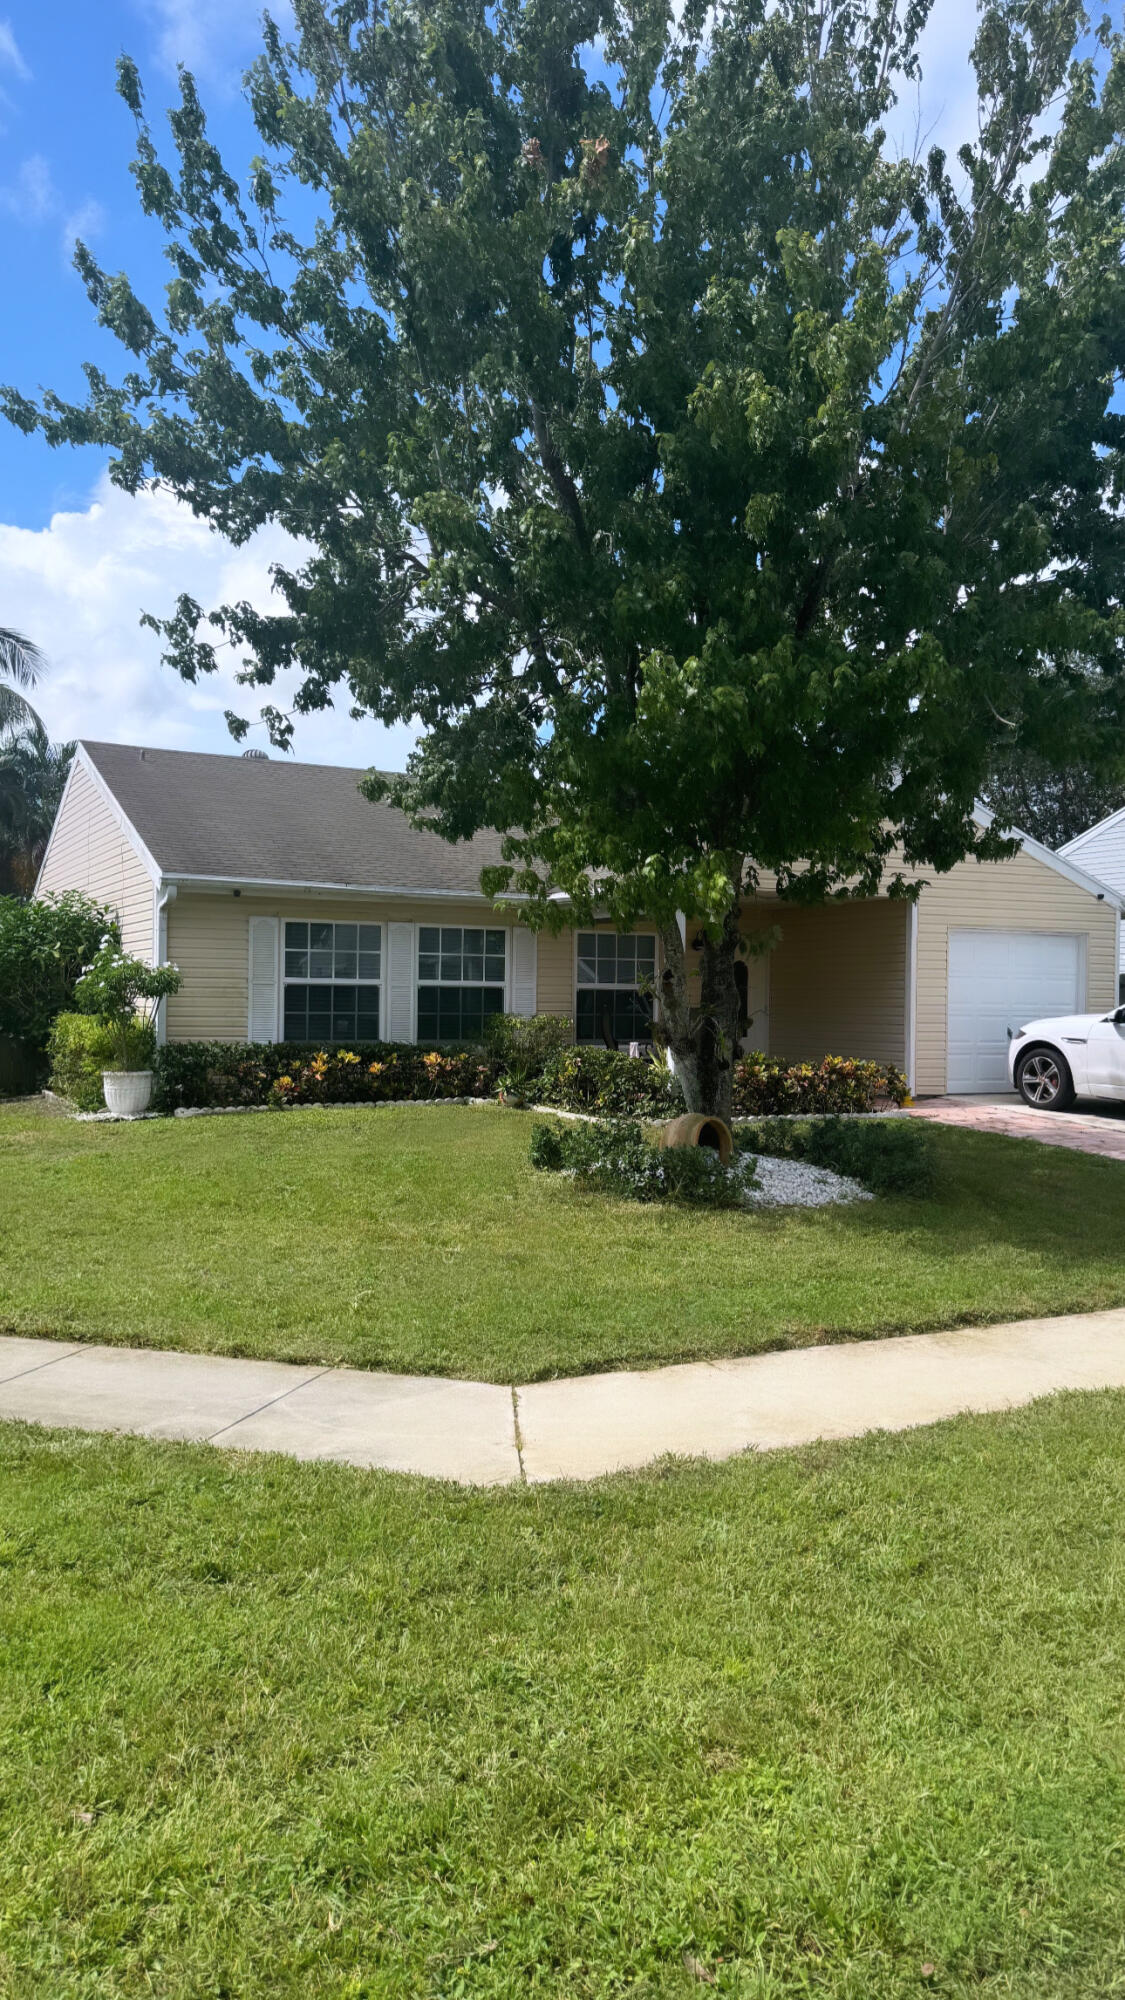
x,y
124,994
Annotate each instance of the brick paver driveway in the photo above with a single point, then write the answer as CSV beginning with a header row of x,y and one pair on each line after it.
x,y
1092,1128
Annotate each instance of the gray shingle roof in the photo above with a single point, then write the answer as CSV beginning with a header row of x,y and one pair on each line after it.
x,y
251,819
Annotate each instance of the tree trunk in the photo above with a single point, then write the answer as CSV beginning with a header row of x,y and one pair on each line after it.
x,y
703,1040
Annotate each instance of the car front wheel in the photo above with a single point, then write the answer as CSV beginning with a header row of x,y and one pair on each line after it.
x,y
1044,1081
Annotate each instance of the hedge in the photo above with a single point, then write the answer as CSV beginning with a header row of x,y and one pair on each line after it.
x,y
604,1082
608,1083
764,1086
191,1075
80,1048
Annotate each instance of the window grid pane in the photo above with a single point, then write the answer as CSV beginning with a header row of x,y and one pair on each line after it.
x,y
461,971
604,959
332,975
456,1013
613,973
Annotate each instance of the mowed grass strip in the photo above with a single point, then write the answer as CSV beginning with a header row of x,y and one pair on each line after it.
x,y
846,1723
422,1240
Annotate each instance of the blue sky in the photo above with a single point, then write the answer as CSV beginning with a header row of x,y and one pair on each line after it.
x,y
79,562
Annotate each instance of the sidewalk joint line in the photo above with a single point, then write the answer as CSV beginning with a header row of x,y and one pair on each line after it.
x,y
268,1404
517,1433
52,1361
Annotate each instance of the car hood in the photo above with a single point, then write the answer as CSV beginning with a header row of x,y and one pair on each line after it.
x,y
1061,1024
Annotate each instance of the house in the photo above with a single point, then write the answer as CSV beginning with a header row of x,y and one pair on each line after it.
x,y
1102,851
296,909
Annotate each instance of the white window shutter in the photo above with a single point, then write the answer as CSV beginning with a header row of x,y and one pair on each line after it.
x,y
398,1010
263,979
525,959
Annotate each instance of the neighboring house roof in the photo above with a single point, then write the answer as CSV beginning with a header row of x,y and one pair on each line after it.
x,y
1102,847
205,818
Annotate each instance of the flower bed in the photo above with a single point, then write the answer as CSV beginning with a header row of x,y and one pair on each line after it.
x,y
765,1086
199,1075
601,1082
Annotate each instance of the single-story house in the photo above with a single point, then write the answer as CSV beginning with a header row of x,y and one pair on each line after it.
x,y
296,909
1102,851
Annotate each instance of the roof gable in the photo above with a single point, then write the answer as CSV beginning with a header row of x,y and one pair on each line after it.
x,y
208,817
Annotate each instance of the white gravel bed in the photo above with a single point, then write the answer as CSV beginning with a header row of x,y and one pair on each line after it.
x,y
794,1184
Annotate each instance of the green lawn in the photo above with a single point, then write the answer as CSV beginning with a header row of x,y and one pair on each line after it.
x,y
422,1240
820,1720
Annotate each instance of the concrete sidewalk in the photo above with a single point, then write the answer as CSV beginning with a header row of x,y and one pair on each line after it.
x,y
579,1427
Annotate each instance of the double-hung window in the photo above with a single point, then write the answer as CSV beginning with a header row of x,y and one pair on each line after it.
x,y
332,978
460,981
616,982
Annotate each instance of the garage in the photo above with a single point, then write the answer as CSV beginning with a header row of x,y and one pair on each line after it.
x,y
1000,979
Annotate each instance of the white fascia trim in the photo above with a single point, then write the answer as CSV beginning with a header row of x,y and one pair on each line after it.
x,y
1101,891
251,882
1100,826
82,756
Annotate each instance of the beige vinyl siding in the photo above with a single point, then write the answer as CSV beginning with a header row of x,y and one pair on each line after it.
x,y
1023,894
89,851
837,980
208,938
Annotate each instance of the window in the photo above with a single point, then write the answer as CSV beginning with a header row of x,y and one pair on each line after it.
x,y
616,979
332,974
460,982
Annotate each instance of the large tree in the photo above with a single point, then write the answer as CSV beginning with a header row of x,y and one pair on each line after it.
x,y
720,488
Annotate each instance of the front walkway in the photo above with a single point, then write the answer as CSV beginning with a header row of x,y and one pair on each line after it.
x,y
481,1434
1092,1128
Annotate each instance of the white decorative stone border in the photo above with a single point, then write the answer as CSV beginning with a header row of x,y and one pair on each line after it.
x,y
423,1103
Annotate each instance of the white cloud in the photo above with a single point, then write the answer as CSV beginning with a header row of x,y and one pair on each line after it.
x,y
216,39
31,196
86,221
78,588
10,57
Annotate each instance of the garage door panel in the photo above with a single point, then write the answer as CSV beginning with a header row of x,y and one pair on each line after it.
x,y
997,980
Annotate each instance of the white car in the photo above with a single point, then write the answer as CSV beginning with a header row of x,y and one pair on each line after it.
x,y
1072,1055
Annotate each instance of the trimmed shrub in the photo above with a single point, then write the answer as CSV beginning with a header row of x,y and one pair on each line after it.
x,y
195,1074
888,1155
615,1158
764,1086
606,1081
81,1047
341,1076
520,1045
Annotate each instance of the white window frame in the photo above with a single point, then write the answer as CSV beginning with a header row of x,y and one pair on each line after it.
x,y
504,984
616,985
332,979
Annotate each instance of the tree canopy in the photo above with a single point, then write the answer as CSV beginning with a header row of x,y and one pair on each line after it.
x,y
722,489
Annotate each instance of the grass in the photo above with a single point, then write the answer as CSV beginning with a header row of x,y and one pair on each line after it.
x,y
844,1723
422,1240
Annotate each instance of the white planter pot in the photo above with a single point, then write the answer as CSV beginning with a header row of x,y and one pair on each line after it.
x,y
128,1092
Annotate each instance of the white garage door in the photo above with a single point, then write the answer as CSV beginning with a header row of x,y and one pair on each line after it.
x,y
998,980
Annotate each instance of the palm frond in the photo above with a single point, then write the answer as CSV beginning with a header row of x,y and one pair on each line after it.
x,y
21,660
16,714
